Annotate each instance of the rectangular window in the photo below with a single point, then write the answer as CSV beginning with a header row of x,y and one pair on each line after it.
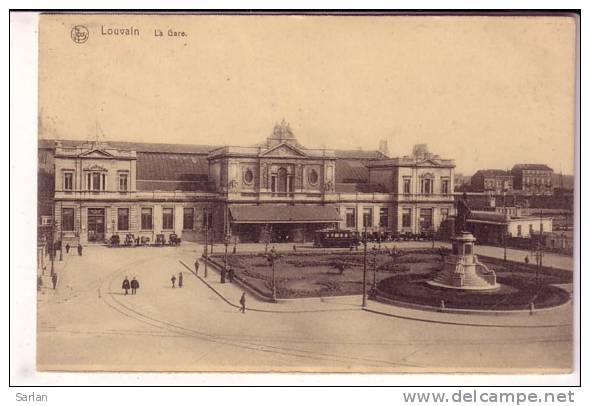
x,y
146,218
406,217
273,183
368,217
123,219
427,186
530,229
68,181
445,186
95,181
168,218
383,217
519,231
351,218
426,219
407,185
123,182
207,218
444,214
67,219
188,218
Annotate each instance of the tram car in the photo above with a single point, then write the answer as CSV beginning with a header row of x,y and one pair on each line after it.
x,y
336,238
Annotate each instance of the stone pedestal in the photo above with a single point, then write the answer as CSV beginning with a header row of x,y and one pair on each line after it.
x,y
462,270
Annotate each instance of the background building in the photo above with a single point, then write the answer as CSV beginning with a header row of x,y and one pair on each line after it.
x,y
533,179
492,180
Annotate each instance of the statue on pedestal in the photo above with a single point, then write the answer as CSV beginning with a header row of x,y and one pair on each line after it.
x,y
463,212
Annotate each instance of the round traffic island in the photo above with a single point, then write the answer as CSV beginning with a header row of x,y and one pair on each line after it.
x,y
514,293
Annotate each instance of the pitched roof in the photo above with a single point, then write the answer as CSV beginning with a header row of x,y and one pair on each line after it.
x,y
536,167
137,146
351,171
357,154
486,216
493,172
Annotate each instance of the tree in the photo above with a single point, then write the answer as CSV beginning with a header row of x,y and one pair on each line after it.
x,y
341,265
395,254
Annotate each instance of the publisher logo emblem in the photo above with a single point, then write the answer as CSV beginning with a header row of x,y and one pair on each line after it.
x,y
79,34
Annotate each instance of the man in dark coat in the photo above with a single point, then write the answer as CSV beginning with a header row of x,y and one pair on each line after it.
x,y
134,286
230,274
126,286
197,266
180,280
80,249
54,279
223,272
67,248
173,280
243,302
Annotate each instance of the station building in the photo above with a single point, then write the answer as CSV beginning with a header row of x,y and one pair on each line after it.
x,y
279,188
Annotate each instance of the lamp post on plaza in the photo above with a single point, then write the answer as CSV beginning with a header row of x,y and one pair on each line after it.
x,y
206,241
272,257
364,304
504,229
226,242
374,251
61,251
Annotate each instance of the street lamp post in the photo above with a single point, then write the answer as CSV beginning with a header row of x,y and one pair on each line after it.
x,y
52,247
374,250
205,254
505,228
273,256
364,304
61,237
226,242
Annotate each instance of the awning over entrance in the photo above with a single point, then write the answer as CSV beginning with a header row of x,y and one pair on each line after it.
x,y
283,214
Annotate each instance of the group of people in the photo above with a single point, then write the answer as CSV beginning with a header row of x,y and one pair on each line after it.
x,y
133,285
53,281
180,280
79,248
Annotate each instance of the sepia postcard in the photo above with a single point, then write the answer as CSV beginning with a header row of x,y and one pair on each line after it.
x,y
313,192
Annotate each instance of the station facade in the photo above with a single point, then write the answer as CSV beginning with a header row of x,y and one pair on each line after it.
x,y
278,189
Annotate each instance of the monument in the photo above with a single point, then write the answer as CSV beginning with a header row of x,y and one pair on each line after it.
x,y
461,269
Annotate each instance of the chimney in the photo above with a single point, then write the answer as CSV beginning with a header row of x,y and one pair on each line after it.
x,y
383,147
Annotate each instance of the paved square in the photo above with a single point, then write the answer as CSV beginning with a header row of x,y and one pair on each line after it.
x,y
88,323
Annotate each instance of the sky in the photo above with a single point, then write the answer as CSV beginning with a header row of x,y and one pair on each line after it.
x,y
488,92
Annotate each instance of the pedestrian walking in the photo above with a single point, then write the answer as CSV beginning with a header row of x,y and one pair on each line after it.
x,y
126,286
173,279
134,286
39,283
67,248
80,249
230,274
243,302
223,272
54,280
180,280
197,266
526,259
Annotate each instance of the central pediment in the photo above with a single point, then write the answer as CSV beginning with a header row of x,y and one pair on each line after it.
x,y
96,153
284,150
